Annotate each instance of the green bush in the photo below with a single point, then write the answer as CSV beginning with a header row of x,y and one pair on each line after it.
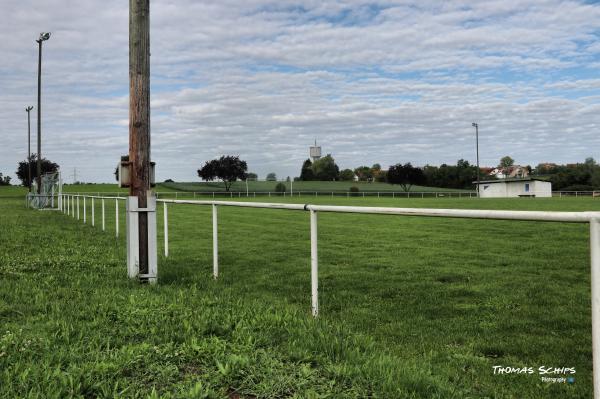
x,y
280,188
354,191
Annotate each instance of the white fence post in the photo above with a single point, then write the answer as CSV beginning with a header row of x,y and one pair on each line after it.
x,y
93,214
314,264
166,228
595,278
77,207
84,211
103,220
116,217
215,242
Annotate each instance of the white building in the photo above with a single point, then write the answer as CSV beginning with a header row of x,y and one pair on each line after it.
x,y
505,188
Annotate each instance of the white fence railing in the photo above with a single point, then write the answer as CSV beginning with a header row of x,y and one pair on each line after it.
x,y
347,194
71,206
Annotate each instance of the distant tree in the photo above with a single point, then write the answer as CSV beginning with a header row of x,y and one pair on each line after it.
x,y
405,175
325,169
347,175
280,188
228,169
462,175
306,174
595,179
169,181
4,180
376,172
271,177
381,176
251,176
506,162
364,173
22,171
288,179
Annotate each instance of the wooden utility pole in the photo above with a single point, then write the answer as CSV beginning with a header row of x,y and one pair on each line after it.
x,y
139,117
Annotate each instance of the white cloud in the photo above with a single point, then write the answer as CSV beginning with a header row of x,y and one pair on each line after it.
x,y
382,82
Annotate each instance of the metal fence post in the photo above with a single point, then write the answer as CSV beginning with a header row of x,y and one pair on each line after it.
x,y
595,278
116,217
93,214
166,228
103,224
215,242
84,211
314,264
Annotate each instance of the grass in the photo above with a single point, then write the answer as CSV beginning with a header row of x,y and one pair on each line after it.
x,y
411,307
319,186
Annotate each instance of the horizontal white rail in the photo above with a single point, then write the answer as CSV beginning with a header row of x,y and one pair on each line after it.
x,y
593,218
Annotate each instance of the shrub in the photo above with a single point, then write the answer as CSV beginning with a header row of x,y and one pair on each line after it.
x,y
354,191
280,188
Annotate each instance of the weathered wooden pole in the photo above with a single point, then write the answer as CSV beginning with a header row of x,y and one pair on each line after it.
x,y
139,128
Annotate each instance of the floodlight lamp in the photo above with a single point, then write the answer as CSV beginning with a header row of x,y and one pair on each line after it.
x,y
44,36
28,108
474,124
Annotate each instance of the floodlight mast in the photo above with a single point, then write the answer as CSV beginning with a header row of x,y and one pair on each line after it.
x,y
28,110
476,126
43,37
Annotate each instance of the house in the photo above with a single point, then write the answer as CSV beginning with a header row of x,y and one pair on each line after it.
x,y
510,172
515,187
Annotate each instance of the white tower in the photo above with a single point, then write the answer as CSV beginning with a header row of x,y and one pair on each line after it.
x,y
315,152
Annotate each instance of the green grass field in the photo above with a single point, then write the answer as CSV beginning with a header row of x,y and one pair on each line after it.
x,y
308,186
411,307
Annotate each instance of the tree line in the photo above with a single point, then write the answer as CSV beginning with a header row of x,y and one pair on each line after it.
x,y
571,177
462,175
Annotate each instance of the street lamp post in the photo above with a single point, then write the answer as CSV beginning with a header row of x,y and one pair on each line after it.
x,y
476,126
28,110
43,37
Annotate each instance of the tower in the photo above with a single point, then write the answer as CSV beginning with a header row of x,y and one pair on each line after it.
x,y
315,152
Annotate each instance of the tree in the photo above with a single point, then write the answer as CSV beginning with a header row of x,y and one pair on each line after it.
x,y
325,169
23,172
461,175
271,177
506,162
364,173
251,176
306,174
4,181
347,175
228,169
405,175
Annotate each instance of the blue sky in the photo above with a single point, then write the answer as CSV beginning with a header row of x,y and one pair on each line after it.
x,y
373,82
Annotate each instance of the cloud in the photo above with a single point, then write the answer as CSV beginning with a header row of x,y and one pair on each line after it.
x,y
386,82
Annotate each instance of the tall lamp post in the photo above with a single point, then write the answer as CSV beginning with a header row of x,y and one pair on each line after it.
x,y
43,37
476,126
28,110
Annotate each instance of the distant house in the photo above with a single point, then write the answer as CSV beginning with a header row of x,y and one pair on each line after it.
x,y
510,172
514,187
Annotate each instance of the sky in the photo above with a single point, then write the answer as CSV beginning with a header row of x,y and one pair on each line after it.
x,y
373,82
